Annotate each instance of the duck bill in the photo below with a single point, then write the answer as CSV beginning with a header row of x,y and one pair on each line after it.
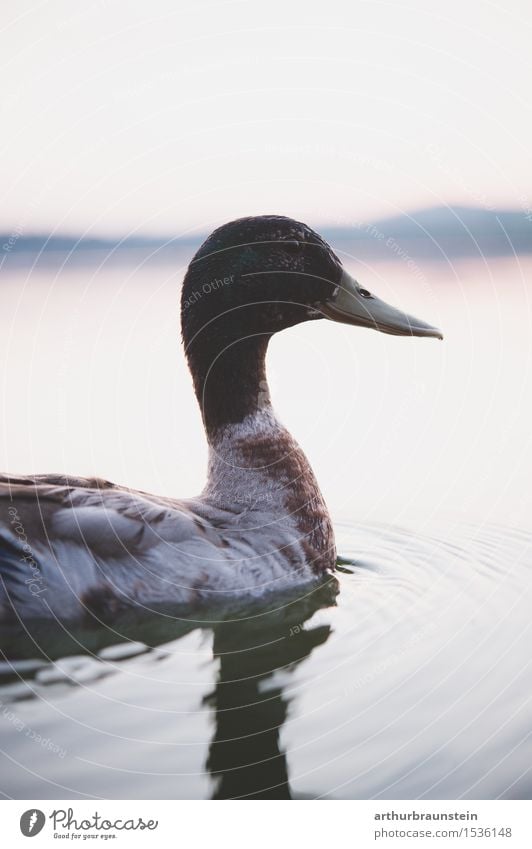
x,y
350,304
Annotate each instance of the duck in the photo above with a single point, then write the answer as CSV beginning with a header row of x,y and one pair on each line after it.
x,y
74,549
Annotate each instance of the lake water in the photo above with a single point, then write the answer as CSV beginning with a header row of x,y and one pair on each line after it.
x,y
409,676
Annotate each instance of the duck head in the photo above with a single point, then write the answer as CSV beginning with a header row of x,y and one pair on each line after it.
x,y
252,278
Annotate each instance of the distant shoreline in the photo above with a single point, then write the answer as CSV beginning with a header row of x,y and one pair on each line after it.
x,y
438,233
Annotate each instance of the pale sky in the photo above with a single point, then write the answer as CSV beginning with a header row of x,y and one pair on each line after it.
x,y
162,116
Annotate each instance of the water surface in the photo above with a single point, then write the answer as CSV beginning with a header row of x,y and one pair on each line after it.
x,y
409,677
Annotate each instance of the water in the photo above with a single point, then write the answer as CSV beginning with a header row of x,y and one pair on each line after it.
x,y
409,676
412,681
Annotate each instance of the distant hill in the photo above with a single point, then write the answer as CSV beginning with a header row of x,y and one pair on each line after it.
x,y
444,231
40,248
434,233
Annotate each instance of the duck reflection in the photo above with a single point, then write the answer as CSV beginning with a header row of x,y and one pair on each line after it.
x,y
256,652
246,758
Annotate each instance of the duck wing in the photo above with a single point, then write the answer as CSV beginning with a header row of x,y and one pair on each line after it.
x,y
71,547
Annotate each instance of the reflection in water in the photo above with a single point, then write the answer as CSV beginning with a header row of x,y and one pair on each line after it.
x,y
245,755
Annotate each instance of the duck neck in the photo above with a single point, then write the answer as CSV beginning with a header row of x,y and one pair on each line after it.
x,y
230,382
254,462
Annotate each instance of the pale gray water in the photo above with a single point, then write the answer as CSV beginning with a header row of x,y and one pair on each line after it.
x,y
415,681
417,684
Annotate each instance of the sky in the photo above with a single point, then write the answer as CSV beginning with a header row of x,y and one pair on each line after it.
x,y
164,117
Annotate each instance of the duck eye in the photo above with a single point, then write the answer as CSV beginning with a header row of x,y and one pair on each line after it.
x,y
365,293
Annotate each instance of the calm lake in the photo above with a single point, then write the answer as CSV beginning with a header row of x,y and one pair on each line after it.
x,y
407,677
